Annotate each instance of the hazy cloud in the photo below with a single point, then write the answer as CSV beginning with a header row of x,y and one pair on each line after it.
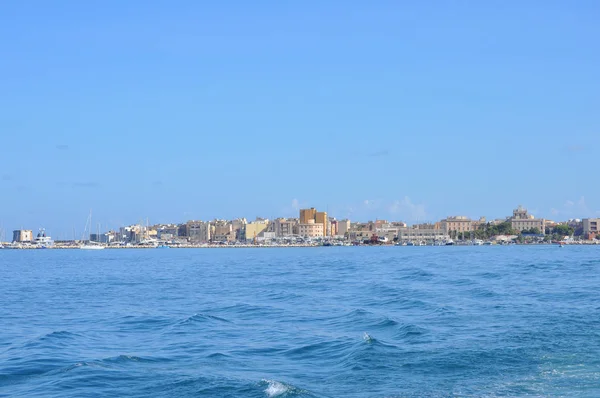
x,y
295,204
573,209
62,147
408,210
6,177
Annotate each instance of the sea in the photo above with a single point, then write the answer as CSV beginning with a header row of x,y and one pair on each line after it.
x,y
478,321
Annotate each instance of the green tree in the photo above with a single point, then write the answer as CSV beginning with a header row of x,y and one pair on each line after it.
x,y
562,230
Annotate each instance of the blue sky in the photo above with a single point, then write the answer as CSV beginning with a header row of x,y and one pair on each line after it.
x,y
194,110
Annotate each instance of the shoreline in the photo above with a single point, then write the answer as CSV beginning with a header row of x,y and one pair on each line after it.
x,y
279,246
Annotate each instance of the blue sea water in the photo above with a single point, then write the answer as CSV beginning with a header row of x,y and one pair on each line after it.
x,y
301,322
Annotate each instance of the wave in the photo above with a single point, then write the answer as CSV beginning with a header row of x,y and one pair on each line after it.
x,y
199,317
276,388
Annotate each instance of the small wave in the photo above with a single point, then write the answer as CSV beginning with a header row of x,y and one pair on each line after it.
x,y
56,338
217,355
409,331
367,337
386,322
60,334
198,317
275,388
279,389
121,359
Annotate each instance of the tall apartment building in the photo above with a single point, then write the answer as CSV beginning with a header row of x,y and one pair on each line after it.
x,y
591,227
321,218
307,214
318,217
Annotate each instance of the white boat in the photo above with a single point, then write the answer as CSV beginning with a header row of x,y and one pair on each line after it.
x,y
477,242
89,244
42,241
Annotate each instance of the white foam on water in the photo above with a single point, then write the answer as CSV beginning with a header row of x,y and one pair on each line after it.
x,y
275,388
367,337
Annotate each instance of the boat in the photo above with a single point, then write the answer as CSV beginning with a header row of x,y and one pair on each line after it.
x,y
89,244
487,243
42,241
477,242
163,247
449,242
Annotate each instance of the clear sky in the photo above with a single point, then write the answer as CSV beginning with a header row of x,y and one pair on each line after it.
x,y
177,110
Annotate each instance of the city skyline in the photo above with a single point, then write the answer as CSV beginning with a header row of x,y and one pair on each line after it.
x,y
76,231
366,111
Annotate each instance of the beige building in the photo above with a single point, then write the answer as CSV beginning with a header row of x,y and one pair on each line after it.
x,y
361,235
222,231
343,227
23,235
255,228
285,227
522,220
422,232
456,224
307,214
319,217
310,229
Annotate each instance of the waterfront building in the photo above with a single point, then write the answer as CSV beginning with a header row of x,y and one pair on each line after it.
x,y
456,224
310,229
360,235
343,227
222,231
522,220
253,229
167,232
307,214
360,232
22,235
285,227
238,226
422,232
331,227
591,227
198,231
321,218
